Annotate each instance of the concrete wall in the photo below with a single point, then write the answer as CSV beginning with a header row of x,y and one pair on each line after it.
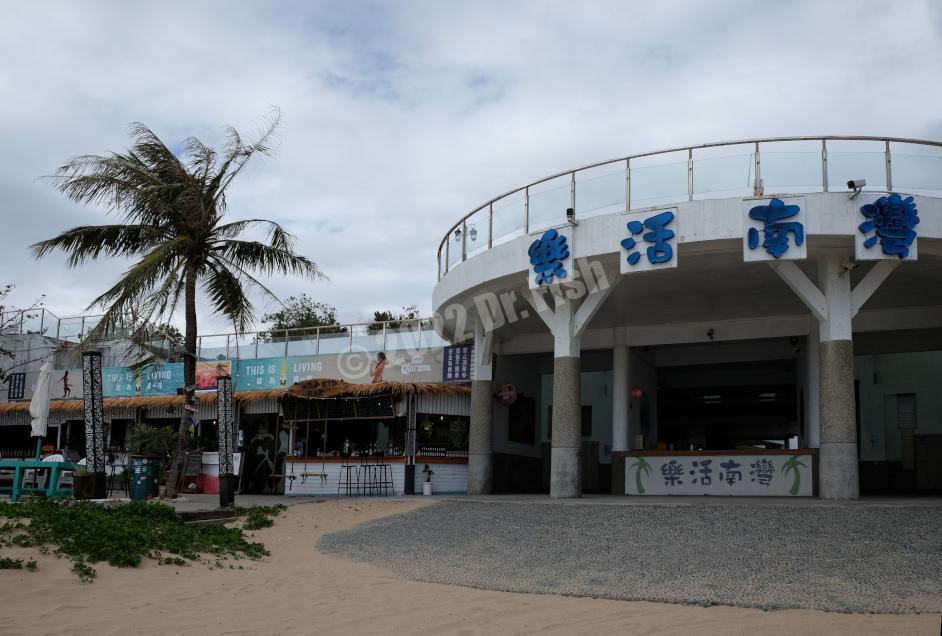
x,y
881,377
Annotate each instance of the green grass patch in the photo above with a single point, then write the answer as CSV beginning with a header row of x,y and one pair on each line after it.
x,y
123,535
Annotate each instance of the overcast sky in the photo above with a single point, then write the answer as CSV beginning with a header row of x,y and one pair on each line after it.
x,y
400,117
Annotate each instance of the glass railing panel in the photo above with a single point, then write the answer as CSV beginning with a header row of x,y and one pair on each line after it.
x,y
242,346
303,342
657,185
548,203
33,321
70,329
454,249
723,176
213,348
844,166
335,342
599,192
431,340
509,213
367,337
403,338
441,262
790,171
271,345
476,228
917,172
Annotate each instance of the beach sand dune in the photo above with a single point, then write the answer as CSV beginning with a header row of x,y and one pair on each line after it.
x,y
298,590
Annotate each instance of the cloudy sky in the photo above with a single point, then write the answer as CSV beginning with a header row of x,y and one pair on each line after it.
x,y
399,117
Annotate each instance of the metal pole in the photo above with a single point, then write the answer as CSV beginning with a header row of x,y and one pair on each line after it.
x,y
317,341
256,344
889,168
384,336
464,241
690,174
447,251
757,189
286,343
824,163
227,346
490,225
526,210
572,191
82,329
627,184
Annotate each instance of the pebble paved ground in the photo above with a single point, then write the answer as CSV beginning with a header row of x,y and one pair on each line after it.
x,y
842,558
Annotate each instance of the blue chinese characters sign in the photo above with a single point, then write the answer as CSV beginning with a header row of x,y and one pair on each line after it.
x,y
774,230
888,229
550,258
651,241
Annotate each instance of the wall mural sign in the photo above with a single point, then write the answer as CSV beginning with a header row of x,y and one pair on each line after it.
x,y
358,367
457,363
551,258
774,229
651,241
888,229
723,475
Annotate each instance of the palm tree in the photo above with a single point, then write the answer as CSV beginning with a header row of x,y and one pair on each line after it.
x,y
172,212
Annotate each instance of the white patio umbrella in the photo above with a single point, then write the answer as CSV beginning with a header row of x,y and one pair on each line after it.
x,y
39,405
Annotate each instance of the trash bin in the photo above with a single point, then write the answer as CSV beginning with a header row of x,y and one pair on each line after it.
x,y
145,476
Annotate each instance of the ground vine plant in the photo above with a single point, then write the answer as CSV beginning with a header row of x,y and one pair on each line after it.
x,y
87,533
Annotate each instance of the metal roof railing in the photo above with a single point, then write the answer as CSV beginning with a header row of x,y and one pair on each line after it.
x,y
414,334
751,167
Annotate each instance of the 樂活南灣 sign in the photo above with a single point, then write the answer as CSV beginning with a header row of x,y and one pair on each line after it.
x,y
780,475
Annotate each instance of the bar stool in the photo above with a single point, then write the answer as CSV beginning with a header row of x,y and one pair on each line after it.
x,y
349,476
382,475
365,474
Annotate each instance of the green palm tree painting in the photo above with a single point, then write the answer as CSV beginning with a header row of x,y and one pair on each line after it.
x,y
640,467
792,464
174,229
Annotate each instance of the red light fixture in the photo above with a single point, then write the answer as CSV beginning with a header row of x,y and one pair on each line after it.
x,y
636,393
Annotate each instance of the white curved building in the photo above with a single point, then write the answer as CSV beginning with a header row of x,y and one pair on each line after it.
x,y
722,319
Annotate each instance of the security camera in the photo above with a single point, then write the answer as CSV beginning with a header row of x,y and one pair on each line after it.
x,y
571,216
856,185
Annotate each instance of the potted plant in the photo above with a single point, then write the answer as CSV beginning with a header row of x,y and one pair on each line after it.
x,y
427,486
83,483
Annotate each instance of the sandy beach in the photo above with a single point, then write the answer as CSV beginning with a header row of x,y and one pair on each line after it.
x,y
299,590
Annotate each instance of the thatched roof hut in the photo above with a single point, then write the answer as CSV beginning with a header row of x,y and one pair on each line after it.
x,y
323,389
142,401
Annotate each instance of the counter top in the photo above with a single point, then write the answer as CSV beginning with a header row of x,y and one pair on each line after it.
x,y
711,453
389,459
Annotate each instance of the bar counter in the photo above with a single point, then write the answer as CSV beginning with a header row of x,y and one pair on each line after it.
x,y
321,476
725,473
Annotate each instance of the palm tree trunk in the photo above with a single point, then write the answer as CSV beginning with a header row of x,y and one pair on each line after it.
x,y
189,380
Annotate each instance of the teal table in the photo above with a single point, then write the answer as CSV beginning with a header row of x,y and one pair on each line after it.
x,y
20,466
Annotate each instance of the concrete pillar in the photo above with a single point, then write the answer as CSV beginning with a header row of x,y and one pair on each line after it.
x,y
481,432
481,439
567,318
620,410
838,469
812,389
566,457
